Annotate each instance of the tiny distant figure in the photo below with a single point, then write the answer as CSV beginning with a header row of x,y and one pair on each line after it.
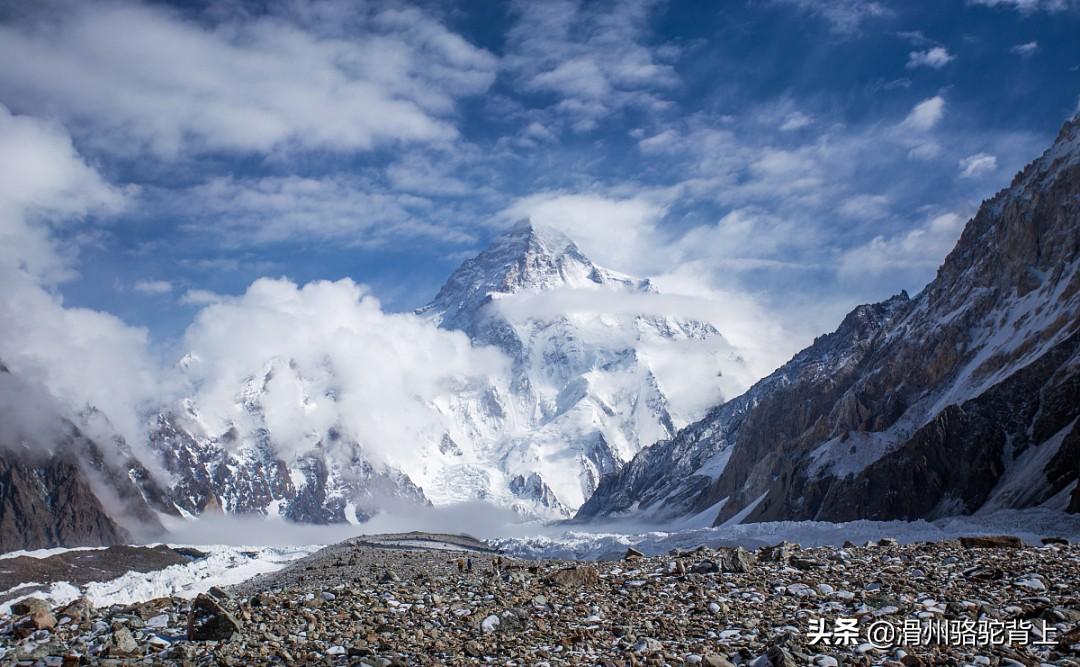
x,y
460,565
496,564
469,564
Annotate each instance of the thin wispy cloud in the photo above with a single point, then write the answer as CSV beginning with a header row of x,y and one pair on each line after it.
x,y
153,286
934,58
593,59
1028,6
844,17
261,84
977,165
1025,50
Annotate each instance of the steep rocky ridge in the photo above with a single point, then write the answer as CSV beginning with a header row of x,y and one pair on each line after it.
x,y
961,399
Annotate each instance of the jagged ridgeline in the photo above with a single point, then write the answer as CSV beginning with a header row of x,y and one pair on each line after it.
x,y
962,399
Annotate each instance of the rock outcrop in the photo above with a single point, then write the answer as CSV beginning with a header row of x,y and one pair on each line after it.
x,y
962,399
60,488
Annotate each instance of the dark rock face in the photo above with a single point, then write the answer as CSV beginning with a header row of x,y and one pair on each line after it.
x,y
53,499
53,481
963,398
49,503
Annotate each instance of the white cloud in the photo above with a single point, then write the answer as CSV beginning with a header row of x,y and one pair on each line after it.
x,y
132,77
613,231
926,114
595,59
977,165
935,57
916,251
925,150
795,120
1026,6
845,17
344,208
200,297
864,207
338,360
152,286
1025,50
44,183
81,357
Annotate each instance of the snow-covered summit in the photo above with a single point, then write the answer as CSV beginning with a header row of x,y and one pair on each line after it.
x,y
526,257
597,370
594,361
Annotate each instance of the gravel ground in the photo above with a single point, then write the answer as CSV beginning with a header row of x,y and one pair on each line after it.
x,y
366,602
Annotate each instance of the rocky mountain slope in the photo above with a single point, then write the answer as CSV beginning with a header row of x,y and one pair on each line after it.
x,y
244,471
580,398
59,487
964,398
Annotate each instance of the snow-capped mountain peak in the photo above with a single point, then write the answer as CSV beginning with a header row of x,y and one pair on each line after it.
x,y
526,257
594,360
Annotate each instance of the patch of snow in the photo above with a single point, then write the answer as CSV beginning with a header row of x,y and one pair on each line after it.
x,y
1025,477
843,456
745,512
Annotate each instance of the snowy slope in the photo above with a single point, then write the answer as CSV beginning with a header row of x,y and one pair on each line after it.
x,y
584,394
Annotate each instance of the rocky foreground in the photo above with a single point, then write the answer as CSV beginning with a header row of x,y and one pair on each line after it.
x,y
420,602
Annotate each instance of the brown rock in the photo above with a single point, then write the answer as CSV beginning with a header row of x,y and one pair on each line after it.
x,y
777,553
209,621
28,606
43,620
121,643
78,610
780,657
580,576
992,542
735,560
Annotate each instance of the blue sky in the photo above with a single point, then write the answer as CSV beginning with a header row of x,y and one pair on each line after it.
x,y
806,155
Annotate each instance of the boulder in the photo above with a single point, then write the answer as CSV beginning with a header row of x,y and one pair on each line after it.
x,y
579,576
27,606
209,621
778,553
120,643
735,560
